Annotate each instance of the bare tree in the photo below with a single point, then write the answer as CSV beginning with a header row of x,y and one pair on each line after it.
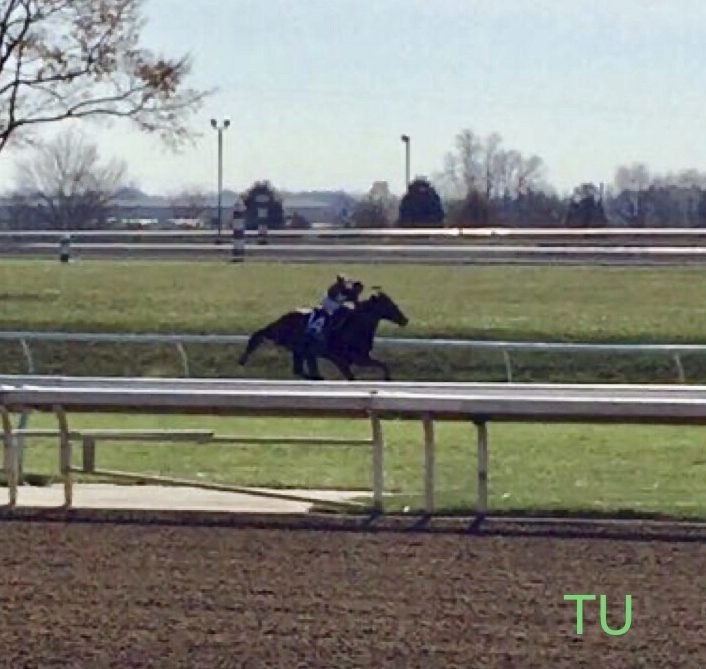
x,y
369,213
378,209
530,174
635,177
504,163
491,149
469,149
64,185
687,178
638,177
68,59
448,180
484,166
463,169
380,195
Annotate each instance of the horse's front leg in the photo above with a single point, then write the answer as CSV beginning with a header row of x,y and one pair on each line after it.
x,y
376,364
342,367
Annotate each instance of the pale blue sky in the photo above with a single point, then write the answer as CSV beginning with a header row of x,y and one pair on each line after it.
x,y
319,91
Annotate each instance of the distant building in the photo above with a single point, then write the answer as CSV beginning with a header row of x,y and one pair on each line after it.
x,y
313,210
136,209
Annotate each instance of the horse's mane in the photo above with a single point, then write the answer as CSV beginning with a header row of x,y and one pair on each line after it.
x,y
373,298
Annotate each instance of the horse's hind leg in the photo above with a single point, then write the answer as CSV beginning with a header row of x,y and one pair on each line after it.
x,y
313,364
298,365
254,341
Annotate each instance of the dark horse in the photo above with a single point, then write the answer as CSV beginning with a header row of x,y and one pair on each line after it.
x,y
348,344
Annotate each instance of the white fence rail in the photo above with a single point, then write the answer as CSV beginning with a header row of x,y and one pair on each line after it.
x,y
474,403
664,234
180,341
447,246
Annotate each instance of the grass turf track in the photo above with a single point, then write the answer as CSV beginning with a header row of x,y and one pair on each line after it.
x,y
553,303
516,303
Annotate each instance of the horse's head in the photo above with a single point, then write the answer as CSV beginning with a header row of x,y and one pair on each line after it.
x,y
382,306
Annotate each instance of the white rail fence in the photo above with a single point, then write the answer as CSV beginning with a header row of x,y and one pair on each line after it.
x,y
180,341
476,404
663,234
447,246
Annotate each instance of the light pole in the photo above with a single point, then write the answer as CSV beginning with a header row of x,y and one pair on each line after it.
x,y
405,139
220,129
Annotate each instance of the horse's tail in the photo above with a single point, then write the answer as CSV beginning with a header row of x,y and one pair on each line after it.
x,y
254,342
286,331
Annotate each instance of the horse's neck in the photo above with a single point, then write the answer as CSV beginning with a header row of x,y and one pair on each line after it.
x,y
366,325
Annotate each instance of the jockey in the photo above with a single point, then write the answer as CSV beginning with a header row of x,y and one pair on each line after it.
x,y
338,294
341,292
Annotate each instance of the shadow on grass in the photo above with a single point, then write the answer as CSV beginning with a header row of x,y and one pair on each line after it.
x,y
578,514
472,528
29,478
547,523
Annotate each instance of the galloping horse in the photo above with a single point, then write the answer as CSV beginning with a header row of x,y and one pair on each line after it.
x,y
348,344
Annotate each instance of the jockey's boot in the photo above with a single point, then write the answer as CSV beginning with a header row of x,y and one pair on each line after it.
x,y
312,343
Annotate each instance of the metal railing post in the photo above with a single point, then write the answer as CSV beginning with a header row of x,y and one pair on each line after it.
x,y
65,248
429,457
378,463
10,456
24,416
65,455
238,252
482,428
184,358
680,368
27,352
508,365
20,446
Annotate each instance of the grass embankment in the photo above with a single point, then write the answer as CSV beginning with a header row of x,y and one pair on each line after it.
x,y
532,467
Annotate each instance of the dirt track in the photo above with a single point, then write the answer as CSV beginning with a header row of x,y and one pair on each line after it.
x,y
128,595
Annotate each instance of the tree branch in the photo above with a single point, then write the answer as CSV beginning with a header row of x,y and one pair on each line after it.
x,y
66,55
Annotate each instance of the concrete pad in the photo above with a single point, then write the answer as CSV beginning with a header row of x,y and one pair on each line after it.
x,y
170,498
